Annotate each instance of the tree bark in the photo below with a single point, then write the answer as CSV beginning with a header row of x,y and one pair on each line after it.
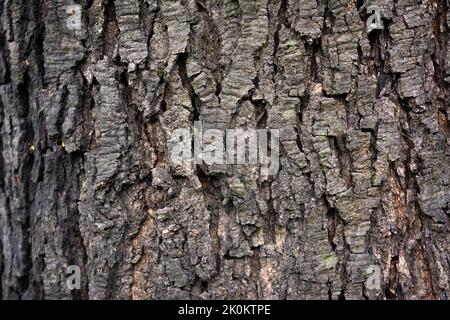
x,y
87,178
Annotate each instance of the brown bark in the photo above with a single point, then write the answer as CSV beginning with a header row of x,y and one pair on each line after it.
x,y
87,178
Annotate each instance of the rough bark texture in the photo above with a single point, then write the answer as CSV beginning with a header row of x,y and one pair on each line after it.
x,y
86,177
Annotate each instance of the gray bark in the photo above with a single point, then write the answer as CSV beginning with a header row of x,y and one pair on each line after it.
x,y
86,176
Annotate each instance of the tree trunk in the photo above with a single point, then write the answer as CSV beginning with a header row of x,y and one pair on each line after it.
x,y
87,108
